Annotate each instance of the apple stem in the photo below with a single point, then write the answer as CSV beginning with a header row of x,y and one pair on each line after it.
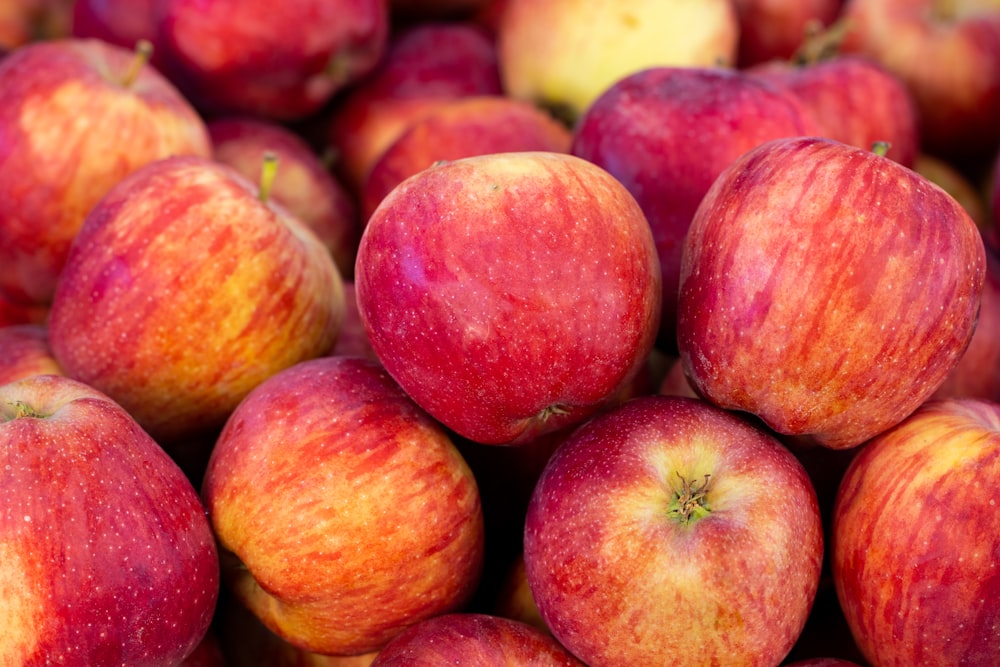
x,y
821,43
881,148
691,502
268,172
143,52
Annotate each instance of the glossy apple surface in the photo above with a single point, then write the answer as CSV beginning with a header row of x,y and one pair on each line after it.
x,y
183,291
916,535
670,503
806,296
76,119
510,294
108,557
344,513
666,133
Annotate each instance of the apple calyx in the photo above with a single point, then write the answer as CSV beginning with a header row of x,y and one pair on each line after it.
x,y
880,148
20,410
143,52
268,172
690,503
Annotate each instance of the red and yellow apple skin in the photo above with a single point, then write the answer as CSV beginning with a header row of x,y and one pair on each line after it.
x,y
668,504
344,512
183,291
826,289
511,294
108,558
916,535
70,129
666,133
473,639
25,351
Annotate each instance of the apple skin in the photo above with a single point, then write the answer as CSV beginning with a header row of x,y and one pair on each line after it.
x,y
120,22
25,351
610,556
958,184
562,54
666,133
108,557
472,125
425,65
822,662
853,99
512,294
948,54
344,512
775,29
242,290
282,63
473,639
916,535
19,313
303,183
826,324
69,130
353,339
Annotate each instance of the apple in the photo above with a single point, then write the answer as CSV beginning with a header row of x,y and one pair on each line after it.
x,y
948,54
671,532
19,313
208,653
26,21
343,511
468,126
25,351
916,535
853,99
425,65
958,185
562,54
776,29
511,294
108,557
353,339
120,22
184,290
826,289
280,62
514,599
78,115
666,133
303,183
473,639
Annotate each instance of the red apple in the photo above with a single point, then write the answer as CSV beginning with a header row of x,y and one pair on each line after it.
x,y
78,115
471,125
344,512
121,22
425,65
958,185
282,62
948,54
108,558
511,294
666,133
184,290
672,532
916,536
353,339
19,313
776,29
853,100
562,54
473,639
826,289
25,351
303,183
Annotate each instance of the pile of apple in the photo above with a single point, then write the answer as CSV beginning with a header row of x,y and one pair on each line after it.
x,y
492,332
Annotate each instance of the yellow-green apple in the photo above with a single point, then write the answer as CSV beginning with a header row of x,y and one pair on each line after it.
x,y
78,115
562,54
473,639
776,29
916,538
183,290
303,183
853,99
425,65
671,532
25,351
343,511
279,62
470,125
107,555
666,133
826,289
511,294
948,54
